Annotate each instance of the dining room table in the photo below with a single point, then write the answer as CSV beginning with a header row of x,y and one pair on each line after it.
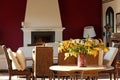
x,y
79,71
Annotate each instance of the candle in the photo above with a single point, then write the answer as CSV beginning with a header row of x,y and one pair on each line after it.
x,y
22,24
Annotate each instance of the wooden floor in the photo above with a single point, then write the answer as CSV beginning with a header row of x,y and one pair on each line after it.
x,y
4,76
15,78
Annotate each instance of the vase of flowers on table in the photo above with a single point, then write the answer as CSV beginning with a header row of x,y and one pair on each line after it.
x,y
81,47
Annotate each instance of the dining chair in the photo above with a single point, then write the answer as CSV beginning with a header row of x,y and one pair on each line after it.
x,y
73,61
110,59
26,72
42,61
69,61
117,64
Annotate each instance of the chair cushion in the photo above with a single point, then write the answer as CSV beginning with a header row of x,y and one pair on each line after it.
x,y
21,58
15,63
109,56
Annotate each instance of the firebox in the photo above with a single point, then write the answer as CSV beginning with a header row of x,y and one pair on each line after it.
x,y
42,37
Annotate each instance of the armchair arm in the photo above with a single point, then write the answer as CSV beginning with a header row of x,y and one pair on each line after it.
x,y
32,66
29,59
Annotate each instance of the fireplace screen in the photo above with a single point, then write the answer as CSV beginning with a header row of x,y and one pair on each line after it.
x,y
42,37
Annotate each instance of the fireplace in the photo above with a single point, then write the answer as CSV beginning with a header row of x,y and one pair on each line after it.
x,y
36,20
44,34
42,37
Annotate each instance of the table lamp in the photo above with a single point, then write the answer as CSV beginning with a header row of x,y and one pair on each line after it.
x,y
89,30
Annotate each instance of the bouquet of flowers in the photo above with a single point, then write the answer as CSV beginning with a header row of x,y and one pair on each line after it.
x,y
88,46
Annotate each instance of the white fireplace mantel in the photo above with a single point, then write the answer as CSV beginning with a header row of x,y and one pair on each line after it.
x,y
27,33
43,29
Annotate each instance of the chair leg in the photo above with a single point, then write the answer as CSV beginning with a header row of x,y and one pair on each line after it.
x,y
10,76
110,76
57,77
35,78
95,78
114,76
28,78
50,78
87,78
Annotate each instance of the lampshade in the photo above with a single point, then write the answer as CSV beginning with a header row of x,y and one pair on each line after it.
x,y
89,30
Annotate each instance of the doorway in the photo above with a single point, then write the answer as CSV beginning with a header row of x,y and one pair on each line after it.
x,y
109,25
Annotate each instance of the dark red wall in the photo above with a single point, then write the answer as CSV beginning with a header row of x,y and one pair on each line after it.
x,y
12,12
75,14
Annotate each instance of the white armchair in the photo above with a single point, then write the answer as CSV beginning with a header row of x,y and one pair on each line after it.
x,y
110,59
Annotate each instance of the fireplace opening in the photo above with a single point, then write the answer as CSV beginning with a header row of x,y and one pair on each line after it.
x,y
42,37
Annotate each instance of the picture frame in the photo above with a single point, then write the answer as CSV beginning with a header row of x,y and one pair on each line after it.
x,y
117,22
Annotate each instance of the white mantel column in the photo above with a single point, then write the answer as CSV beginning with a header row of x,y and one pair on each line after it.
x,y
58,36
26,38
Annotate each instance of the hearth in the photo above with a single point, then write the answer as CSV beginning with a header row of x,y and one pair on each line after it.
x,y
42,37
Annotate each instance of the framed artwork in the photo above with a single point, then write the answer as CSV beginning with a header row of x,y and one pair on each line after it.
x,y
117,22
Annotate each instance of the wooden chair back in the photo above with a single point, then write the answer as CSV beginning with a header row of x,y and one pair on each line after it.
x,y
43,60
72,61
69,61
9,61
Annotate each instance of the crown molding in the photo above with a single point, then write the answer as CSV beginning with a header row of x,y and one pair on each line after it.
x,y
105,1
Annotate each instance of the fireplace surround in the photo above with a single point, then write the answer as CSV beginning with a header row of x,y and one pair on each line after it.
x,y
56,32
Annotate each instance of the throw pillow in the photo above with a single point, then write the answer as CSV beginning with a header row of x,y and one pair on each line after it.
x,y
21,58
12,56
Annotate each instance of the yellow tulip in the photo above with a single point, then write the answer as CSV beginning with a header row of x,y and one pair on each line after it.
x,y
102,43
65,43
87,44
59,49
94,52
74,54
95,43
62,48
66,56
97,48
106,50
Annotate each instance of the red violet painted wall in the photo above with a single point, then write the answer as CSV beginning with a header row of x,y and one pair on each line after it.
x,y
75,14
12,12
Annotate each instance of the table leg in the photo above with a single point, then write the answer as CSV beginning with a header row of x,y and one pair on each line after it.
x,y
72,76
82,73
53,75
77,74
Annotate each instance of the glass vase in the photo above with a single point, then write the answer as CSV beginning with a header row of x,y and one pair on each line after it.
x,y
81,60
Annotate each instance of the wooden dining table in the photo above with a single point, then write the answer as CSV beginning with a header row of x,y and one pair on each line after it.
x,y
79,70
